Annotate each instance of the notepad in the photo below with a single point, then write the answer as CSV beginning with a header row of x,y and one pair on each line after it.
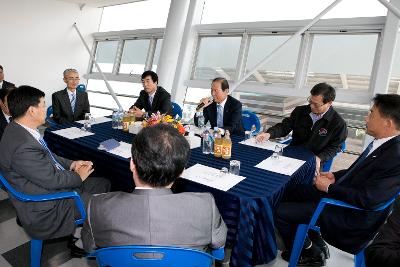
x,y
283,165
109,144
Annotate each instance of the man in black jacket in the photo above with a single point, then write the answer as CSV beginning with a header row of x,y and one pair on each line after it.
x,y
385,249
317,126
152,98
4,84
223,111
369,182
5,116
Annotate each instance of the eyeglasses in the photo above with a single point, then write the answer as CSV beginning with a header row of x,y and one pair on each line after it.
x,y
316,105
73,79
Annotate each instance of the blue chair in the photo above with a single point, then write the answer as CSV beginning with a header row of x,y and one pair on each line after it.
x,y
302,229
154,256
176,110
36,245
81,88
49,115
249,119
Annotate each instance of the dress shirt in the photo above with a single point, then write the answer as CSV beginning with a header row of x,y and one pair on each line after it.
x,y
34,133
1,84
6,116
71,94
315,117
378,142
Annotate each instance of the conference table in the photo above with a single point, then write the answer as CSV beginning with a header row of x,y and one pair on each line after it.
x,y
247,208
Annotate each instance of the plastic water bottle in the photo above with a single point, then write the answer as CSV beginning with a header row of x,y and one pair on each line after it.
x,y
120,116
207,142
253,131
115,119
200,119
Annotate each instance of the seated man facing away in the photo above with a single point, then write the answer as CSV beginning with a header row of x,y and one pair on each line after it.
x,y
223,111
317,126
70,105
5,116
152,214
368,183
30,167
385,249
152,98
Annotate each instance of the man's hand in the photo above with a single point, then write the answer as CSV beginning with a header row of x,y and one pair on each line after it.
x,y
138,112
323,181
84,171
206,101
263,137
79,163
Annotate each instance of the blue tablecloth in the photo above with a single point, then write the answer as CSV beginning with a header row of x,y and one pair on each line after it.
x,y
247,208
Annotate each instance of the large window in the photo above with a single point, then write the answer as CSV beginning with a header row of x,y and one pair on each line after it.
x,y
217,57
134,56
281,67
344,61
105,55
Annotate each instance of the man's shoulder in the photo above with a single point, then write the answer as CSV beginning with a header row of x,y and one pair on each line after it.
x,y
162,91
337,118
234,101
14,134
59,92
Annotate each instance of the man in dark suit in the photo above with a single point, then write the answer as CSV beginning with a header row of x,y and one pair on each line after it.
x,y
223,111
70,105
5,116
385,249
30,167
152,214
316,126
372,180
152,98
4,84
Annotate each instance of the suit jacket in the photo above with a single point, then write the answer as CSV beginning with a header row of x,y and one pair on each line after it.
x,y
385,249
161,102
371,183
232,116
153,217
324,138
62,111
6,84
28,167
3,123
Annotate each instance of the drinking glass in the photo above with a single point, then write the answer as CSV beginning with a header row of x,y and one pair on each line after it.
x,y
87,125
234,167
277,152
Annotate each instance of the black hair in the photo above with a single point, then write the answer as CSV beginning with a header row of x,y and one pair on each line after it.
x,y
160,154
224,83
20,99
152,74
327,91
389,107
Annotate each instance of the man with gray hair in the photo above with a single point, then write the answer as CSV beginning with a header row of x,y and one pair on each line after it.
x,y
70,105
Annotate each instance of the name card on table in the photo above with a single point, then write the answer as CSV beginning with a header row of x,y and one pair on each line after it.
x,y
211,177
282,165
123,150
96,120
72,133
269,145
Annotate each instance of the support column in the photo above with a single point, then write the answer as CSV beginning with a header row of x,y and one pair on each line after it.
x,y
172,42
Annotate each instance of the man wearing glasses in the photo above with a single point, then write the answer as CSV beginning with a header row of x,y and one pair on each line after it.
x,y
70,105
316,126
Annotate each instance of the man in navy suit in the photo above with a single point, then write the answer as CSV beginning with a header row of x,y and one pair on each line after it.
x,y
223,111
69,104
4,84
5,116
371,181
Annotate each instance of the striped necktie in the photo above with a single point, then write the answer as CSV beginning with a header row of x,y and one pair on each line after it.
x,y
56,163
220,116
73,100
151,100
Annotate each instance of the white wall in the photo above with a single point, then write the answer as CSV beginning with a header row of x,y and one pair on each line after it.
x,y
38,41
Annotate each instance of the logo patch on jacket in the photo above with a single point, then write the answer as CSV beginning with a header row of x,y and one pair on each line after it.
x,y
322,132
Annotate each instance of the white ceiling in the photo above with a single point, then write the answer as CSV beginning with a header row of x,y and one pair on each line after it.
x,y
100,3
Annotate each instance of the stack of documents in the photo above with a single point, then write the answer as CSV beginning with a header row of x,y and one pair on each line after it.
x,y
269,145
123,150
283,165
72,133
211,177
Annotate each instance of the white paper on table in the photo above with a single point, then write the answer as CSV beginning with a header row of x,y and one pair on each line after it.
x,y
96,120
72,133
269,145
124,150
283,165
211,177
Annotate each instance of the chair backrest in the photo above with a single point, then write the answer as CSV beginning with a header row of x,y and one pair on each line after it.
x,y
81,88
249,119
152,256
176,110
49,112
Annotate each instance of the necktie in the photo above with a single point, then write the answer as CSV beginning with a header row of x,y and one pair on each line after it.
x,y
151,100
73,100
220,116
358,163
58,165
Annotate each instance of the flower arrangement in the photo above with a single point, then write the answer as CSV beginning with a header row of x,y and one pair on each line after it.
x,y
157,118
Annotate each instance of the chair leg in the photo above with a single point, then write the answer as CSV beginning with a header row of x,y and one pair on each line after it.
x,y
298,244
36,252
359,259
